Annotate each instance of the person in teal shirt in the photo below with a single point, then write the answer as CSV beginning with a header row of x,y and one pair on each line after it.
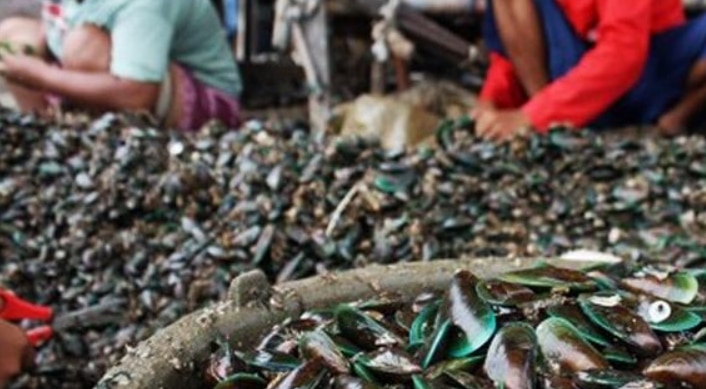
x,y
168,57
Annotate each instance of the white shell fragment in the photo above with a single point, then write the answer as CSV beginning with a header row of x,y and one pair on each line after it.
x,y
606,301
659,311
591,256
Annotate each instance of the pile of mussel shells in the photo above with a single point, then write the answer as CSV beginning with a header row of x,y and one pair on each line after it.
x,y
97,209
544,327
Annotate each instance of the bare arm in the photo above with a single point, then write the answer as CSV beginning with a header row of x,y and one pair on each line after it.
x,y
101,91
98,91
521,33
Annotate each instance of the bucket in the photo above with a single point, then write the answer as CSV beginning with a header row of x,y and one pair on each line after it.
x,y
175,356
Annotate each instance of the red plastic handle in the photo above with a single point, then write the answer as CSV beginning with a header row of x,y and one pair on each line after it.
x,y
39,335
14,308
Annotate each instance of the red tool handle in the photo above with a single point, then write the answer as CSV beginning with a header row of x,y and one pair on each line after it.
x,y
39,335
14,308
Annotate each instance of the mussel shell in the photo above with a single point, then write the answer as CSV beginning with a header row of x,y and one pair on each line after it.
x,y
565,350
619,356
604,379
464,380
364,373
306,376
681,367
316,344
676,319
271,360
679,287
223,364
623,323
550,277
470,314
286,332
419,382
393,183
438,345
423,325
384,306
557,382
345,381
391,365
497,292
573,314
348,348
242,381
510,361
361,329
452,365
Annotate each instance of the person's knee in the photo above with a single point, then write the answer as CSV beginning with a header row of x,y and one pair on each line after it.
x,y
87,49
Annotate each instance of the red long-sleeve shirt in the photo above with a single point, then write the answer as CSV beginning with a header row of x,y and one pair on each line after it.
x,y
621,30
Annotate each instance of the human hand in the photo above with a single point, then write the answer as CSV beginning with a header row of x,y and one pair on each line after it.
x,y
671,124
23,69
15,352
501,125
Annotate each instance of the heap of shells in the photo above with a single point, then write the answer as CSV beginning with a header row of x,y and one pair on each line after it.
x,y
91,210
544,327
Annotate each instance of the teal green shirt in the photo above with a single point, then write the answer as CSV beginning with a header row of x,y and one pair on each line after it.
x,y
148,35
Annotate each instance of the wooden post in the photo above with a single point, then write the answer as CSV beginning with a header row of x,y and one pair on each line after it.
x,y
316,36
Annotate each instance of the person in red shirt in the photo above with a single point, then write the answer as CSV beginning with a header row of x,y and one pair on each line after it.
x,y
595,63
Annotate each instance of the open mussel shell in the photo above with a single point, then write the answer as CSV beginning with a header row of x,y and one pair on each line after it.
x,y
565,350
680,368
361,329
510,361
242,381
506,294
609,312
605,379
667,317
550,277
678,287
469,313
575,316
317,344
